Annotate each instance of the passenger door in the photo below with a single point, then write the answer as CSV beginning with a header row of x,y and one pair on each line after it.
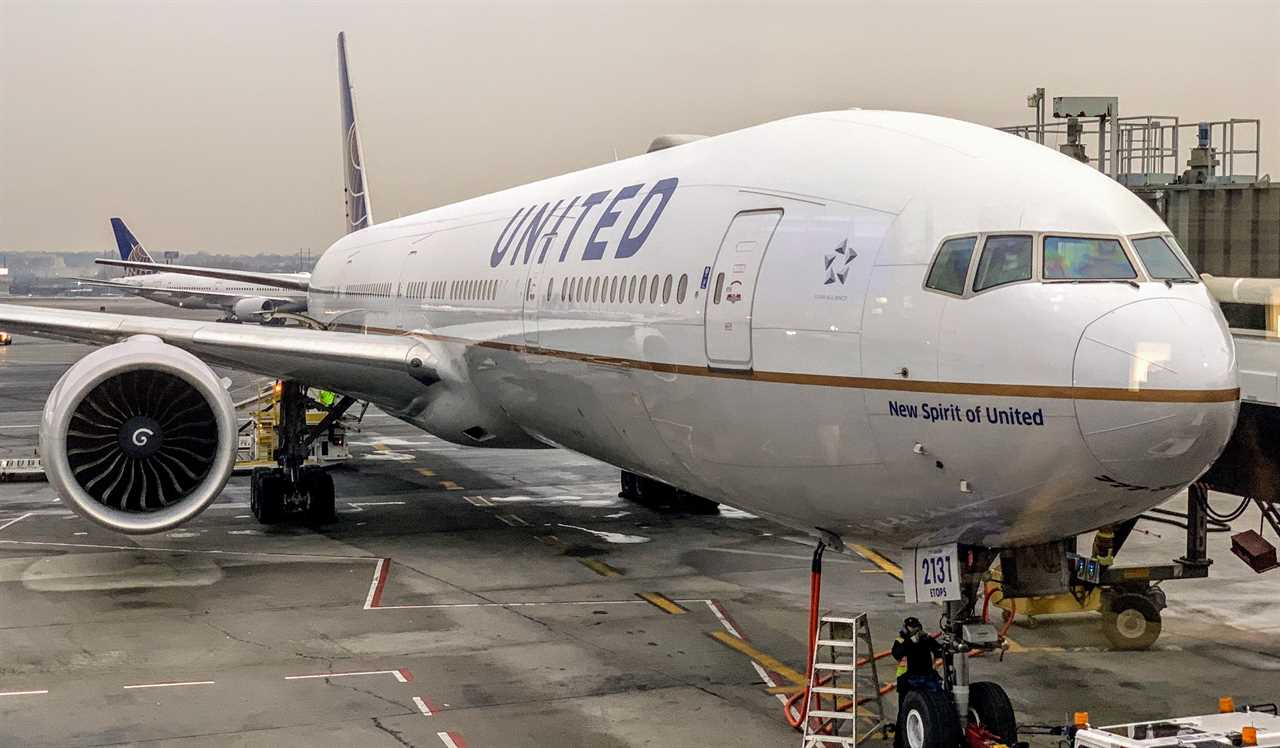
x,y
732,292
534,294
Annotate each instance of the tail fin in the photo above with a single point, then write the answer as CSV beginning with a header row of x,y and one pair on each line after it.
x,y
356,189
130,248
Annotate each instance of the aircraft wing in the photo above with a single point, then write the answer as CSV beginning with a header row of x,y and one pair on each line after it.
x,y
293,282
364,366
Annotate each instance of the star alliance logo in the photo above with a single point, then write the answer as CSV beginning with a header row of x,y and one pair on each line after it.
x,y
838,263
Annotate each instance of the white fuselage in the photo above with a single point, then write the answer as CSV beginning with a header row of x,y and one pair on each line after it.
x,y
194,292
824,386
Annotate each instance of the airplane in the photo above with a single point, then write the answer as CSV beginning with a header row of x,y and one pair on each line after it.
x,y
864,325
241,299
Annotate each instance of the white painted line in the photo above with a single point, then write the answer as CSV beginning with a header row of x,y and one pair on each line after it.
x,y
478,501
24,693
22,426
394,673
210,551
511,520
447,739
373,585
422,706
724,620
172,685
15,520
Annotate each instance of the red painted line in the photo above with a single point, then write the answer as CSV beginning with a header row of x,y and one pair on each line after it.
x,y
405,675
451,739
380,574
428,707
726,620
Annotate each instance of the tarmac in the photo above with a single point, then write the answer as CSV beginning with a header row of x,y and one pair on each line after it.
x,y
472,597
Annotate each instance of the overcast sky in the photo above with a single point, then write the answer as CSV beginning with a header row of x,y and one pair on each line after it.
x,y
213,125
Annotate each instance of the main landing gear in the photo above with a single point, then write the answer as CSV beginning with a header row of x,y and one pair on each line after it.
x,y
293,487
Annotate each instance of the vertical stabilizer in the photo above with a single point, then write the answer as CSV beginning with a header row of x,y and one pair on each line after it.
x,y
130,248
356,189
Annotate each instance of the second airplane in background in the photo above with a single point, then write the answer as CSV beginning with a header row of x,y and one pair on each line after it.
x,y
243,299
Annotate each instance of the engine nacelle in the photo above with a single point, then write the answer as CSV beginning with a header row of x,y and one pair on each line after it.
x,y
252,308
139,436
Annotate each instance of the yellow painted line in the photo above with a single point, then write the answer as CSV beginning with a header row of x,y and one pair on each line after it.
x,y
426,472
662,601
451,486
600,567
380,447
785,690
769,663
549,539
875,571
887,566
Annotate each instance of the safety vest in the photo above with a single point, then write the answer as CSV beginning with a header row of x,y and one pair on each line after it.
x,y
902,664
326,398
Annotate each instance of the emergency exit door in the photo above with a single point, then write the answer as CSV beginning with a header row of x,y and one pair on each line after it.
x,y
730,298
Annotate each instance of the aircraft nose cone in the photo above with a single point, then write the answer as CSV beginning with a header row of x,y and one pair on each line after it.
x,y
1158,394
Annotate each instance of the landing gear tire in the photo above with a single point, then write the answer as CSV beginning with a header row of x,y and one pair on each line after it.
x,y
929,721
989,706
267,488
318,487
1131,621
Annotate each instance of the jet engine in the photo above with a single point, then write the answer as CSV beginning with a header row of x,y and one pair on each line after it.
x,y
139,436
252,308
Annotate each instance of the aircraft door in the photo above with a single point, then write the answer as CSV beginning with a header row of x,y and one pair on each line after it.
x,y
534,295
732,289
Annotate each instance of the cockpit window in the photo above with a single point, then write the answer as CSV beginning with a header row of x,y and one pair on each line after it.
x,y
951,267
1005,259
1085,258
1161,261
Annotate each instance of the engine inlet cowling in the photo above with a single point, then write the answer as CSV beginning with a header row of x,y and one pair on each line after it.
x,y
139,436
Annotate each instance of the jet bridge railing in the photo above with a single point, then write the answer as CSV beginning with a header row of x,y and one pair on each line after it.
x,y
1153,149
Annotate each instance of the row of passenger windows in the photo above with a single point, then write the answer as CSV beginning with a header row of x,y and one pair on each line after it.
x,y
458,290
618,289
369,289
1008,258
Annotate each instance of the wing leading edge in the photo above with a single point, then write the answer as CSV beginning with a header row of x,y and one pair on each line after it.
x,y
386,369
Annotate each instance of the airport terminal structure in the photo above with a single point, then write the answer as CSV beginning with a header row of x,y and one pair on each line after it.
x,y
822,446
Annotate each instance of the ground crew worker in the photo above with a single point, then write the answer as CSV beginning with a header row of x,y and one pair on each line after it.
x,y
915,652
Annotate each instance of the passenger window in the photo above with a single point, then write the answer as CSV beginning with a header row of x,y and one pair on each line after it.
x,y
564,288
644,283
613,290
1085,258
951,266
1161,261
715,297
631,290
595,289
681,288
653,290
666,289
1005,259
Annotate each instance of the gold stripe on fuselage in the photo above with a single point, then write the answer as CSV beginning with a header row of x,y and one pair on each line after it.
x,y
1052,392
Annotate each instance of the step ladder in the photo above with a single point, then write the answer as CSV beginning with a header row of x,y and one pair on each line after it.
x,y
843,705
